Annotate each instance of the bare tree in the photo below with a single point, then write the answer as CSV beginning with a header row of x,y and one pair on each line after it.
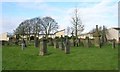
x,y
37,25
77,23
49,25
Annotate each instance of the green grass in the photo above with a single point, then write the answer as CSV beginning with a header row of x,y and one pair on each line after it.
x,y
80,58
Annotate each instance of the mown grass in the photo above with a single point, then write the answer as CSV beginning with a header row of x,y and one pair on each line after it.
x,y
80,58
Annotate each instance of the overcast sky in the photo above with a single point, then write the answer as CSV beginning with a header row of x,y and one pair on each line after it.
x,y
100,12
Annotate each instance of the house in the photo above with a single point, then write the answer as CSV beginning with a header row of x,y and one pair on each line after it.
x,y
83,36
52,35
59,33
113,33
5,36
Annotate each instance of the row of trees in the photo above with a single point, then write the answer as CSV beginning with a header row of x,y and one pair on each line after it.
x,y
45,25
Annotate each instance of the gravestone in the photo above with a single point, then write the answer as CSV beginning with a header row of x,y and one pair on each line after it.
x,y
103,36
36,43
73,43
87,42
23,44
61,42
50,42
43,46
113,43
67,45
77,42
56,42
97,38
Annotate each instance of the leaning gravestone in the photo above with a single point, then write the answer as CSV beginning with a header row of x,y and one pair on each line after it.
x,y
67,46
97,37
23,44
61,46
43,46
113,43
56,42
36,43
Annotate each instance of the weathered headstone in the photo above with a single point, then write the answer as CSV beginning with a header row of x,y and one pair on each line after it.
x,y
36,43
113,43
61,46
103,36
43,46
73,43
77,42
87,42
67,46
50,42
23,44
97,37
56,42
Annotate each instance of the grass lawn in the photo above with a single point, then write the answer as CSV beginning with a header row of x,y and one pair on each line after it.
x,y
80,58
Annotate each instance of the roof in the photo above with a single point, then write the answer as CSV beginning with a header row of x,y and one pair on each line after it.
x,y
59,31
117,28
86,33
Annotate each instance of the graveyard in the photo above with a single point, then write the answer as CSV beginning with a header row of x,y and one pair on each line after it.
x,y
61,52
60,36
79,57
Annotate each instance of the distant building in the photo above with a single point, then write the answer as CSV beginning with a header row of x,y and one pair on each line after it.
x,y
83,36
113,33
5,36
59,33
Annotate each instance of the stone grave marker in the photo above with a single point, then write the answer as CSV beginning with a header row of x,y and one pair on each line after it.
x,y
23,44
50,42
77,42
113,43
67,46
87,42
56,42
61,42
97,38
43,46
36,43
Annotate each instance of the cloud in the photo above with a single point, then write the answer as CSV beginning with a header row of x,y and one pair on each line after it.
x,y
10,23
102,13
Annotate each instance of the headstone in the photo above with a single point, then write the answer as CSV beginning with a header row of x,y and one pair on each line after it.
x,y
87,42
77,42
67,46
73,39
23,44
56,42
97,37
50,42
61,42
36,43
104,38
43,46
113,43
